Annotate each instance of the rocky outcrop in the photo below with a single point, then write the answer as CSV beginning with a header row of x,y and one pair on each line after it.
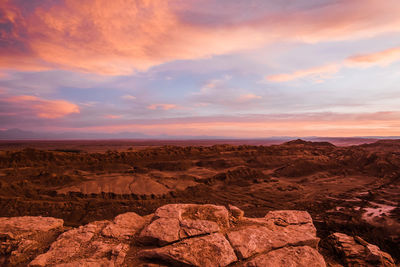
x,y
357,252
175,235
177,221
288,256
22,238
210,250
209,235
101,243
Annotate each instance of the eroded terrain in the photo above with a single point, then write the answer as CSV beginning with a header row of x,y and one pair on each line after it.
x,y
352,189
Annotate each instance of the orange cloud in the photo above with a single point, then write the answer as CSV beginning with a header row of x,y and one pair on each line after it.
x,y
110,116
162,106
118,37
317,73
248,97
49,109
383,58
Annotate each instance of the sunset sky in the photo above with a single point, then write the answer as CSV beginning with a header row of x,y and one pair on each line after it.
x,y
234,68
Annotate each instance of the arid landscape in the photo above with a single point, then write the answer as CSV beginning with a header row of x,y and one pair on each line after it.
x,y
351,189
206,133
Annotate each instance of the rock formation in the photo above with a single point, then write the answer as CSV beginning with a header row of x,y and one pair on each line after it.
x,y
175,235
357,252
22,238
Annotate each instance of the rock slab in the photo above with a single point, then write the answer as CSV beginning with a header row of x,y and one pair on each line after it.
x,y
357,252
302,256
211,250
176,221
22,238
276,230
180,235
101,243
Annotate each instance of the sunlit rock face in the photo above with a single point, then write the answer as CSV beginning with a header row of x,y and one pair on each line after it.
x,y
22,238
175,235
357,252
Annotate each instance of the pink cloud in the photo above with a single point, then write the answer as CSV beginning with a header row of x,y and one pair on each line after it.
x,y
93,36
307,124
128,97
248,97
383,58
318,73
42,108
162,106
110,116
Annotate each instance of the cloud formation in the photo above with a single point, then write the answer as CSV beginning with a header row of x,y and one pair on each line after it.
x,y
42,108
111,116
382,58
317,73
128,97
118,37
248,126
162,106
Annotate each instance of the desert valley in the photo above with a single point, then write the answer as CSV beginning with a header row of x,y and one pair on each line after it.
x,y
199,133
349,189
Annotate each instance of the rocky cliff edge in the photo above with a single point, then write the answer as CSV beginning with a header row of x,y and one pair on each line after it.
x,y
175,235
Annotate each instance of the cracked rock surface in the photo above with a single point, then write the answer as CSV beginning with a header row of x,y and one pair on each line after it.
x,y
175,235
357,252
22,238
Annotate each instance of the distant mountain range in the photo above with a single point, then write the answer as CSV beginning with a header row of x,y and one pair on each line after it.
x,y
18,134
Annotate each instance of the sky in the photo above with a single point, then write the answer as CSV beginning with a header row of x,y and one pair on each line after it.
x,y
230,68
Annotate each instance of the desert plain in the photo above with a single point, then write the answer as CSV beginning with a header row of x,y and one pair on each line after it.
x,y
353,189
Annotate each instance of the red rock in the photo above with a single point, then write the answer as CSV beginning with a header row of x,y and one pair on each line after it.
x,y
302,256
236,212
212,250
176,221
263,235
161,231
358,252
25,237
124,226
289,216
84,245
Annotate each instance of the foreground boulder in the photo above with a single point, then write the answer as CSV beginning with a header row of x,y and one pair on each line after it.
x,y
210,250
101,243
184,235
288,256
177,221
357,252
209,235
22,238
271,232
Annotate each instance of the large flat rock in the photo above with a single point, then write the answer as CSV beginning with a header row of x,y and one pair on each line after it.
x,y
302,256
286,217
22,238
276,230
124,226
357,252
89,246
177,235
210,250
174,222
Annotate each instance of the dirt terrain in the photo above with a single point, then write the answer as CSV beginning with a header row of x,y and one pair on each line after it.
x,y
351,189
